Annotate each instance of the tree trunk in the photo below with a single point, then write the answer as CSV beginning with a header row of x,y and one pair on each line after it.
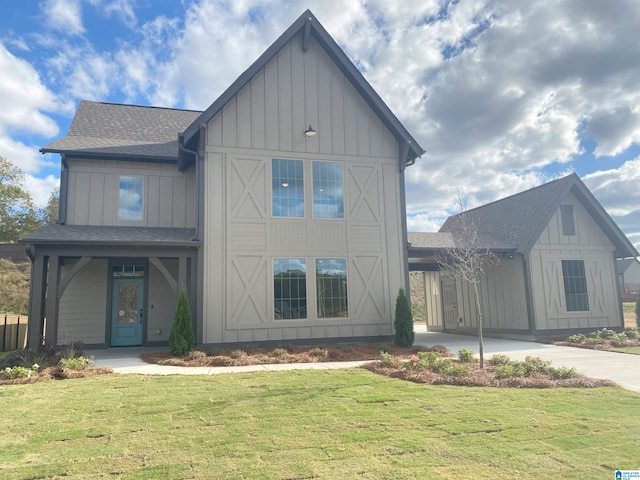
x,y
480,326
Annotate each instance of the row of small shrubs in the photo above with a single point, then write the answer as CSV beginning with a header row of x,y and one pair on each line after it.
x,y
26,363
433,361
279,351
598,337
531,367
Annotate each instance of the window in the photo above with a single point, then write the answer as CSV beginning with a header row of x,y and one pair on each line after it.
x,y
331,288
327,190
575,286
568,223
130,192
128,271
289,288
287,187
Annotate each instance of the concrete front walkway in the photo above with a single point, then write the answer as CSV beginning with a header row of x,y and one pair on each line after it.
x,y
624,369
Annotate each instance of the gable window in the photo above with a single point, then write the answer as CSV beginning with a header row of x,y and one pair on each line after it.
x,y
568,222
130,194
289,288
287,188
331,288
575,286
328,192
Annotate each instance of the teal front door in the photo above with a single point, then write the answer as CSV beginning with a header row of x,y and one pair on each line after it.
x,y
126,316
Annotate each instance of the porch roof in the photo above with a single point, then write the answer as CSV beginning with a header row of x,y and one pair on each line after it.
x,y
109,235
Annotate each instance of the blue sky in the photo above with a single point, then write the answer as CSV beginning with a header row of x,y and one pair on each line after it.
x,y
503,95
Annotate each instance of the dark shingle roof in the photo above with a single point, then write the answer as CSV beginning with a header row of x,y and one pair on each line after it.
x,y
517,221
430,240
109,235
108,129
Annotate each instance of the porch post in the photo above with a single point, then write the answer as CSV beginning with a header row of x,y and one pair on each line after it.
x,y
182,272
37,290
51,308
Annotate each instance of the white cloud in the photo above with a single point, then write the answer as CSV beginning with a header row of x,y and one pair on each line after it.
x,y
618,189
65,16
40,189
24,100
123,10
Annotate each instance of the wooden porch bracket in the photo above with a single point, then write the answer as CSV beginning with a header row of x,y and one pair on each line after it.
x,y
155,261
70,274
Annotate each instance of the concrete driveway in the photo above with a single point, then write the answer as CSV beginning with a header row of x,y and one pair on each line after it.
x,y
624,369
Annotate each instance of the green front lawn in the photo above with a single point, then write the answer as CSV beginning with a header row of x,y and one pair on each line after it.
x,y
311,424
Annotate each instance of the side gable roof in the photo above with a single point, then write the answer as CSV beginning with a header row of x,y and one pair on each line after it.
x,y
308,22
519,220
103,130
623,264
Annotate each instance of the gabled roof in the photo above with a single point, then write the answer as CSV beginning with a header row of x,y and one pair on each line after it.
x,y
308,22
519,220
103,130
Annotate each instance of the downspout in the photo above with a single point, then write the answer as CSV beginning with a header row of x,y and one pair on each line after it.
x,y
64,183
404,162
182,148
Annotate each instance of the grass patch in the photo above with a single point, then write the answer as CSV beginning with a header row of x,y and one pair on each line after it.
x,y
632,350
311,424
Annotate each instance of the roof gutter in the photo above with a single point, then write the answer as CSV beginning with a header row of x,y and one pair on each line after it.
x,y
196,157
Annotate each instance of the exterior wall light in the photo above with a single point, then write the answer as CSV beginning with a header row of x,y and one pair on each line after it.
x,y
310,132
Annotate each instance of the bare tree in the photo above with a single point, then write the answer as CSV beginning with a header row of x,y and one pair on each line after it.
x,y
468,259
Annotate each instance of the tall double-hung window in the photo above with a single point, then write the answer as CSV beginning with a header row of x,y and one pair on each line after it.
x,y
575,286
288,192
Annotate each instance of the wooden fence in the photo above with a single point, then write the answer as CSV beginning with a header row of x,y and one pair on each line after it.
x,y
13,332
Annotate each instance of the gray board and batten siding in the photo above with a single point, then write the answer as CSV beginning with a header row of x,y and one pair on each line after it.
x,y
266,120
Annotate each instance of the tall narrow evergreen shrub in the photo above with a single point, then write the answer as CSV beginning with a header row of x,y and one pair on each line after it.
x,y
182,339
404,321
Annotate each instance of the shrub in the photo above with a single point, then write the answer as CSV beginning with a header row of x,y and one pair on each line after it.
x,y
579,338
384,347
387,360
632,333
593,340
182,339
196,354
19,372
534,365
499,359
605,333
278,352
562,373
286,346
441,366
403,321
458,371
506,371
414,363
235,354
429,358
318,352
76,363
465,355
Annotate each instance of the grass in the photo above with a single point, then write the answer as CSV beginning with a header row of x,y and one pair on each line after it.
x,y
311,424
633,350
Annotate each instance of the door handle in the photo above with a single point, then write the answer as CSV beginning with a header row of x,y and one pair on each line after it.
x,y
140,315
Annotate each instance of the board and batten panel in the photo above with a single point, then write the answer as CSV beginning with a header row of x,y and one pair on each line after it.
x,y
169,198
549,295
293,90
587,231
242,239
83,306
161,303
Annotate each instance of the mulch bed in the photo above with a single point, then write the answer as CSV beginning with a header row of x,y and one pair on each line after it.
x,y
262,356
57,373
605,345
485,378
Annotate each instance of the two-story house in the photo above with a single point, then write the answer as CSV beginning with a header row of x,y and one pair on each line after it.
x,y
280,209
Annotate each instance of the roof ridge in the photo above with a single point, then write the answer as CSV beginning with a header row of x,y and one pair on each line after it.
x,y
528,190
142,106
